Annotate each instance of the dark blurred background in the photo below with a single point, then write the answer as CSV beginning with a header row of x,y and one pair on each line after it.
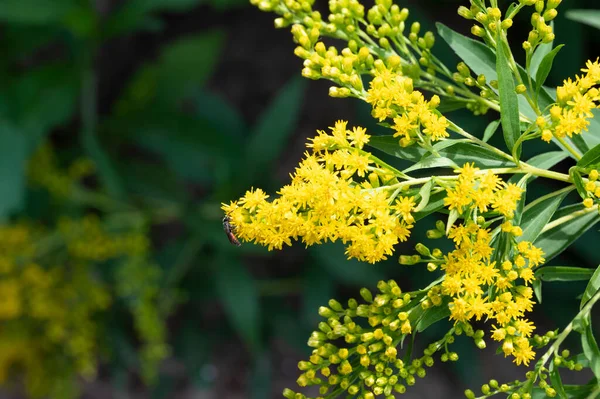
x,y
189,103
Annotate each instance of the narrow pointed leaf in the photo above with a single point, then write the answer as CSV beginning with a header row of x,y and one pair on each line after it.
x,y
592,157
564,273
592,287
509,102
536,217
555,240
546,67
479,57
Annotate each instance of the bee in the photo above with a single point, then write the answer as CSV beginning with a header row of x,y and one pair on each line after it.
x,y
229,229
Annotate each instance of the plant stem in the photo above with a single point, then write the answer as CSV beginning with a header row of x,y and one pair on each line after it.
x,y
569,148
568,218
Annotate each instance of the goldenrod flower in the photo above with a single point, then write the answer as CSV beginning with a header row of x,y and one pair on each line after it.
x,y
329,199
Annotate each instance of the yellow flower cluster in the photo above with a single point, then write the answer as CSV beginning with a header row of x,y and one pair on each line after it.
x,y
88,240
482,288
44,172
415,119
593,188
479,284
483,192
47,313
575,102
338,192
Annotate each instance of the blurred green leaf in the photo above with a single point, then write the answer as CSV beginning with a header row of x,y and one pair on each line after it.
x,y
318,289
151,181
349,271
186,64
34,12
104,164
40,100
260,376
238,293
223,116
136,14
12,169
225,5
588,17
275,126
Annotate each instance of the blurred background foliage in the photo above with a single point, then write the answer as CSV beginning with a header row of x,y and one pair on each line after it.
x,y
123,126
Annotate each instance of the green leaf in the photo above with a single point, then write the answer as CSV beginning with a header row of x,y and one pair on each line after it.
x,y
433,315
563,273
592,137
238,294
490,130
546,67
424,193
349,271
591,158
275,126
539,54
592,287
452,218
135,14
548,159
537,290
317,288
590,347
555,240
578,181
432,161
34,12
460,153
13,159
536,217
436,202
450,104
557,381
104,164
479,57
187,63
509,102
588,17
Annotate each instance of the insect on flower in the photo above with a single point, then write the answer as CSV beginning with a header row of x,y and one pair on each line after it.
x,y
229,228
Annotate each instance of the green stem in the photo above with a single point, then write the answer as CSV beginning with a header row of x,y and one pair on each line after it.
x,y
569,148
457,129
568,218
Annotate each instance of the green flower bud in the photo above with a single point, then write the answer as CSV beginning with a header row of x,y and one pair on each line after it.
x,y
366,295
465,12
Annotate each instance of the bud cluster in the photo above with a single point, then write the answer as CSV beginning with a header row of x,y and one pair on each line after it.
x,y
356,349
